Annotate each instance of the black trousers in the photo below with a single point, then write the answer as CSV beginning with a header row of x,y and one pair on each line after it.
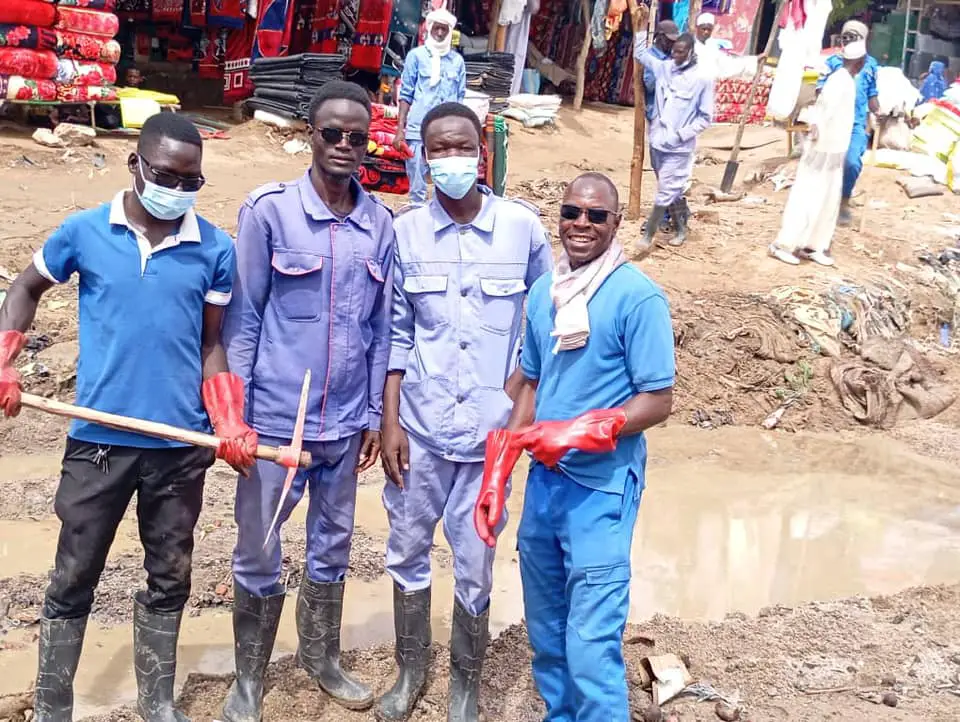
x,y
96,486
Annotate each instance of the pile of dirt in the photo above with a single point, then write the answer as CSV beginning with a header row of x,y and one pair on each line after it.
x,y
836,660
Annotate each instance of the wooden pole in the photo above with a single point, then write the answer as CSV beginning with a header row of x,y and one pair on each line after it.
x,y
696,6
147,428
735,152
640,25
493,27
584,54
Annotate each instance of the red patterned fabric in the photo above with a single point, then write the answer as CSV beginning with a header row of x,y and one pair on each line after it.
x,y
197,12
28,12
77,46
167,11
16,87
80,73
107,5
84,93
370,36
91,22
226,13
213,47
236,69
326,15
730,99
26,36
28,63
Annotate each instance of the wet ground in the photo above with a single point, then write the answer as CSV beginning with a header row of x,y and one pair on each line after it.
x,y
733,520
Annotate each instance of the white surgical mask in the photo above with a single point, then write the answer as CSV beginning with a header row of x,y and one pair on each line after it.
x,y
164,204
454,175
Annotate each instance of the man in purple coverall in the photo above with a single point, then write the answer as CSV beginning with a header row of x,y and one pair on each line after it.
x,y
313,288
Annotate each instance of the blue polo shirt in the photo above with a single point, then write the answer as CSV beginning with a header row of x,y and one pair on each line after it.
x,y
629,351
141,316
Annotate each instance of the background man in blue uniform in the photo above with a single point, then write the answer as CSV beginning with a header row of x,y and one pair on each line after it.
x,y
866,103
433,73
315,264
598,370
154,278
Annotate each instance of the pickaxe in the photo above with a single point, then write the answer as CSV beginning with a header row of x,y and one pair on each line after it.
x,y
290,456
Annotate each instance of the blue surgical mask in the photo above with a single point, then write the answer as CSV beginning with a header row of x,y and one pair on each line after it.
x,y
164,204
454,175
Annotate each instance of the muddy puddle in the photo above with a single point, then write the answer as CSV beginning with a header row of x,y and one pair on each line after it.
x,y
732,520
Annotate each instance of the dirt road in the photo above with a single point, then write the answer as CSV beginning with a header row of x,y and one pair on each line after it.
x,y
736,520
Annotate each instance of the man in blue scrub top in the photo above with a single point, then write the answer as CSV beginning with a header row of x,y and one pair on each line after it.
x,y
866,103
154,278
433,73
598,370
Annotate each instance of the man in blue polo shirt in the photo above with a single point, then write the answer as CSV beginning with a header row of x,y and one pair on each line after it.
x,y
154,278
598,371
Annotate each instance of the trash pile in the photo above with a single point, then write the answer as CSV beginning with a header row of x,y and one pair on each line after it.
x,y
286,85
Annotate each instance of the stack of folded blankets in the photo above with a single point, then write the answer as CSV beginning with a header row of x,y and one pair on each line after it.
x,y
61,51
286,85
383,169
491,73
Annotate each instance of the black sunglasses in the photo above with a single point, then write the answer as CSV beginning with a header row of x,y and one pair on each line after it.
x,y
571,212
335,136
166,179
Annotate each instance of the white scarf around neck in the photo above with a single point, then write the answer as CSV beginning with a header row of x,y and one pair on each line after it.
x,y
571,290
438,49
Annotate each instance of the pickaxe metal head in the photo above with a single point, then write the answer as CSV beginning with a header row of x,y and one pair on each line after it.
x,y
291,455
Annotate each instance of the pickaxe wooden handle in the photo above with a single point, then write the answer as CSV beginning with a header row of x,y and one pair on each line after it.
x,y
147,428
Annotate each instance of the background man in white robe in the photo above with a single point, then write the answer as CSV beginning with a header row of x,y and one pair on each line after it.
x,y
810,216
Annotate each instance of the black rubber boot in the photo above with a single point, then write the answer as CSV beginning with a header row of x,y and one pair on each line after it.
x,y
319,611
255,622
155,662
681,219
650,230
60,643
411,621
468,646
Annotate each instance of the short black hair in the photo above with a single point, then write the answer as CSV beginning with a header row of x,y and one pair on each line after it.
x,y
338,90
168,125
450,109
685,38
603,180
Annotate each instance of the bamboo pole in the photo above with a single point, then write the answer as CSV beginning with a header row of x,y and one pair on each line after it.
x,y
645,25
696,6
583,56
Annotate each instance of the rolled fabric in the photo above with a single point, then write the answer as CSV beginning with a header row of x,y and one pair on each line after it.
x,y
79,72
27,36
71,93
79,46
28,63
90,22
28,12
16,87
107,5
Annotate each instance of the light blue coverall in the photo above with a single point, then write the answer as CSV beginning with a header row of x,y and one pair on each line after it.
x,y
577,523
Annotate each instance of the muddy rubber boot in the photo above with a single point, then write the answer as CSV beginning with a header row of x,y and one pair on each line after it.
x,y
411,621
60,643
319,611
155,662
468,646
255,622
844,218
681,219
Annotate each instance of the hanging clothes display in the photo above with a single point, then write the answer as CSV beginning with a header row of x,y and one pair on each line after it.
x,y
226,13
517,39
236,67
197,13
370,36
797,43
403,30
323,27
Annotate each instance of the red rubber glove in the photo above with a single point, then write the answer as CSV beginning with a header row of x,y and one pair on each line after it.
x,y
594,432
11,344
223,398
502,453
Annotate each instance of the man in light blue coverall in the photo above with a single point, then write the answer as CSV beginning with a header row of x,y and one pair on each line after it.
x,y
464,264
433,73
866,102
598,370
